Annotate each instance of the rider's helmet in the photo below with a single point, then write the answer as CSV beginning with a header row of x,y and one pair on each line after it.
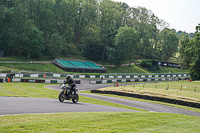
x,y
68,77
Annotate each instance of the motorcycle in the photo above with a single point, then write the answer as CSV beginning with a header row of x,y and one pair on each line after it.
x,y
67,93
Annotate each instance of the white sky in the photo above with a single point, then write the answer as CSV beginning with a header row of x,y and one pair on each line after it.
x,y
182,15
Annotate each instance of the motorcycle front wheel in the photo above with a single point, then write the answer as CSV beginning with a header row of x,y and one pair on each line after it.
x,y
61,97
75,100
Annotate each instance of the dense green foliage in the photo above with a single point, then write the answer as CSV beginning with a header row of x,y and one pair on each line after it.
x,y
100,30
125,45
190,53
146,65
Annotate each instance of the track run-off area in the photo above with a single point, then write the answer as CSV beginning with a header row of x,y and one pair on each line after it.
x,y
30,105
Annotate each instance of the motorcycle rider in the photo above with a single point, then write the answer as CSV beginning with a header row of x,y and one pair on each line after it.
x,y
71,83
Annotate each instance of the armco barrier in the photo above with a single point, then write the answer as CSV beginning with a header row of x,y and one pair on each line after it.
x,y
101,76
153,98
49,81
137,80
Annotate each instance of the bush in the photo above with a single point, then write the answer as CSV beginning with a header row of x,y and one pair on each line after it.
x,y
146,65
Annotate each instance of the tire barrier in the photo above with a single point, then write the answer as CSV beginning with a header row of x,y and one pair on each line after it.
x,y
1,80
32,80
153,98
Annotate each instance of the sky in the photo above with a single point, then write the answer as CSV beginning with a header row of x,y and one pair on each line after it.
x,y
181,15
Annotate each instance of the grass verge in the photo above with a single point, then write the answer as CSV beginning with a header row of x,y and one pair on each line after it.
x,y
187,91
117,122
137,69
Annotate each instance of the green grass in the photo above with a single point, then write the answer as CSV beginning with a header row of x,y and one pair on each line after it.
x,y
12,59
46,67
20,59
27,90
136,69
115,122
126,69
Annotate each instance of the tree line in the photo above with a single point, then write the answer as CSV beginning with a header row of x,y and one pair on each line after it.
x,y
100,30
189,51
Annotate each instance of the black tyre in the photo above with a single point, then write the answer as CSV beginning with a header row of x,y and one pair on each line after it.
x,y
75,100
61,97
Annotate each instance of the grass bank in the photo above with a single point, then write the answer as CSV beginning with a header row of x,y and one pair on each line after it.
x,y
183,90
126,69
117,122
136,69
41,67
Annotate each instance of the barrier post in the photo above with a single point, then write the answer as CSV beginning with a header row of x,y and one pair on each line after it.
x,y
156,85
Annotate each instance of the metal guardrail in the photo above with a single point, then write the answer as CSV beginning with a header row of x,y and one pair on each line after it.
x,y
138,80
55,75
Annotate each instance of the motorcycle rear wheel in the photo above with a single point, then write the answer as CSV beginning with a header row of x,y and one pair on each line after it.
x,y
61,97
75,100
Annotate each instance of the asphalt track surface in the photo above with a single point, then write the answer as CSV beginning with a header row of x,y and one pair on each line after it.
x,y
29,105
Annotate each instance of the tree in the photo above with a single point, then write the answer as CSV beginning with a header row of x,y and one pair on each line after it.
x,y
184,53
195,59
190,54
93,48
32,41
126,44
80,27
169,43
109,19
54,45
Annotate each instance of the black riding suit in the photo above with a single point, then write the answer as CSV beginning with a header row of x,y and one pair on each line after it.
x,y
72,84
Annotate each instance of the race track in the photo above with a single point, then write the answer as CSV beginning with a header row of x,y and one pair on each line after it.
x,y
28,105
137,104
